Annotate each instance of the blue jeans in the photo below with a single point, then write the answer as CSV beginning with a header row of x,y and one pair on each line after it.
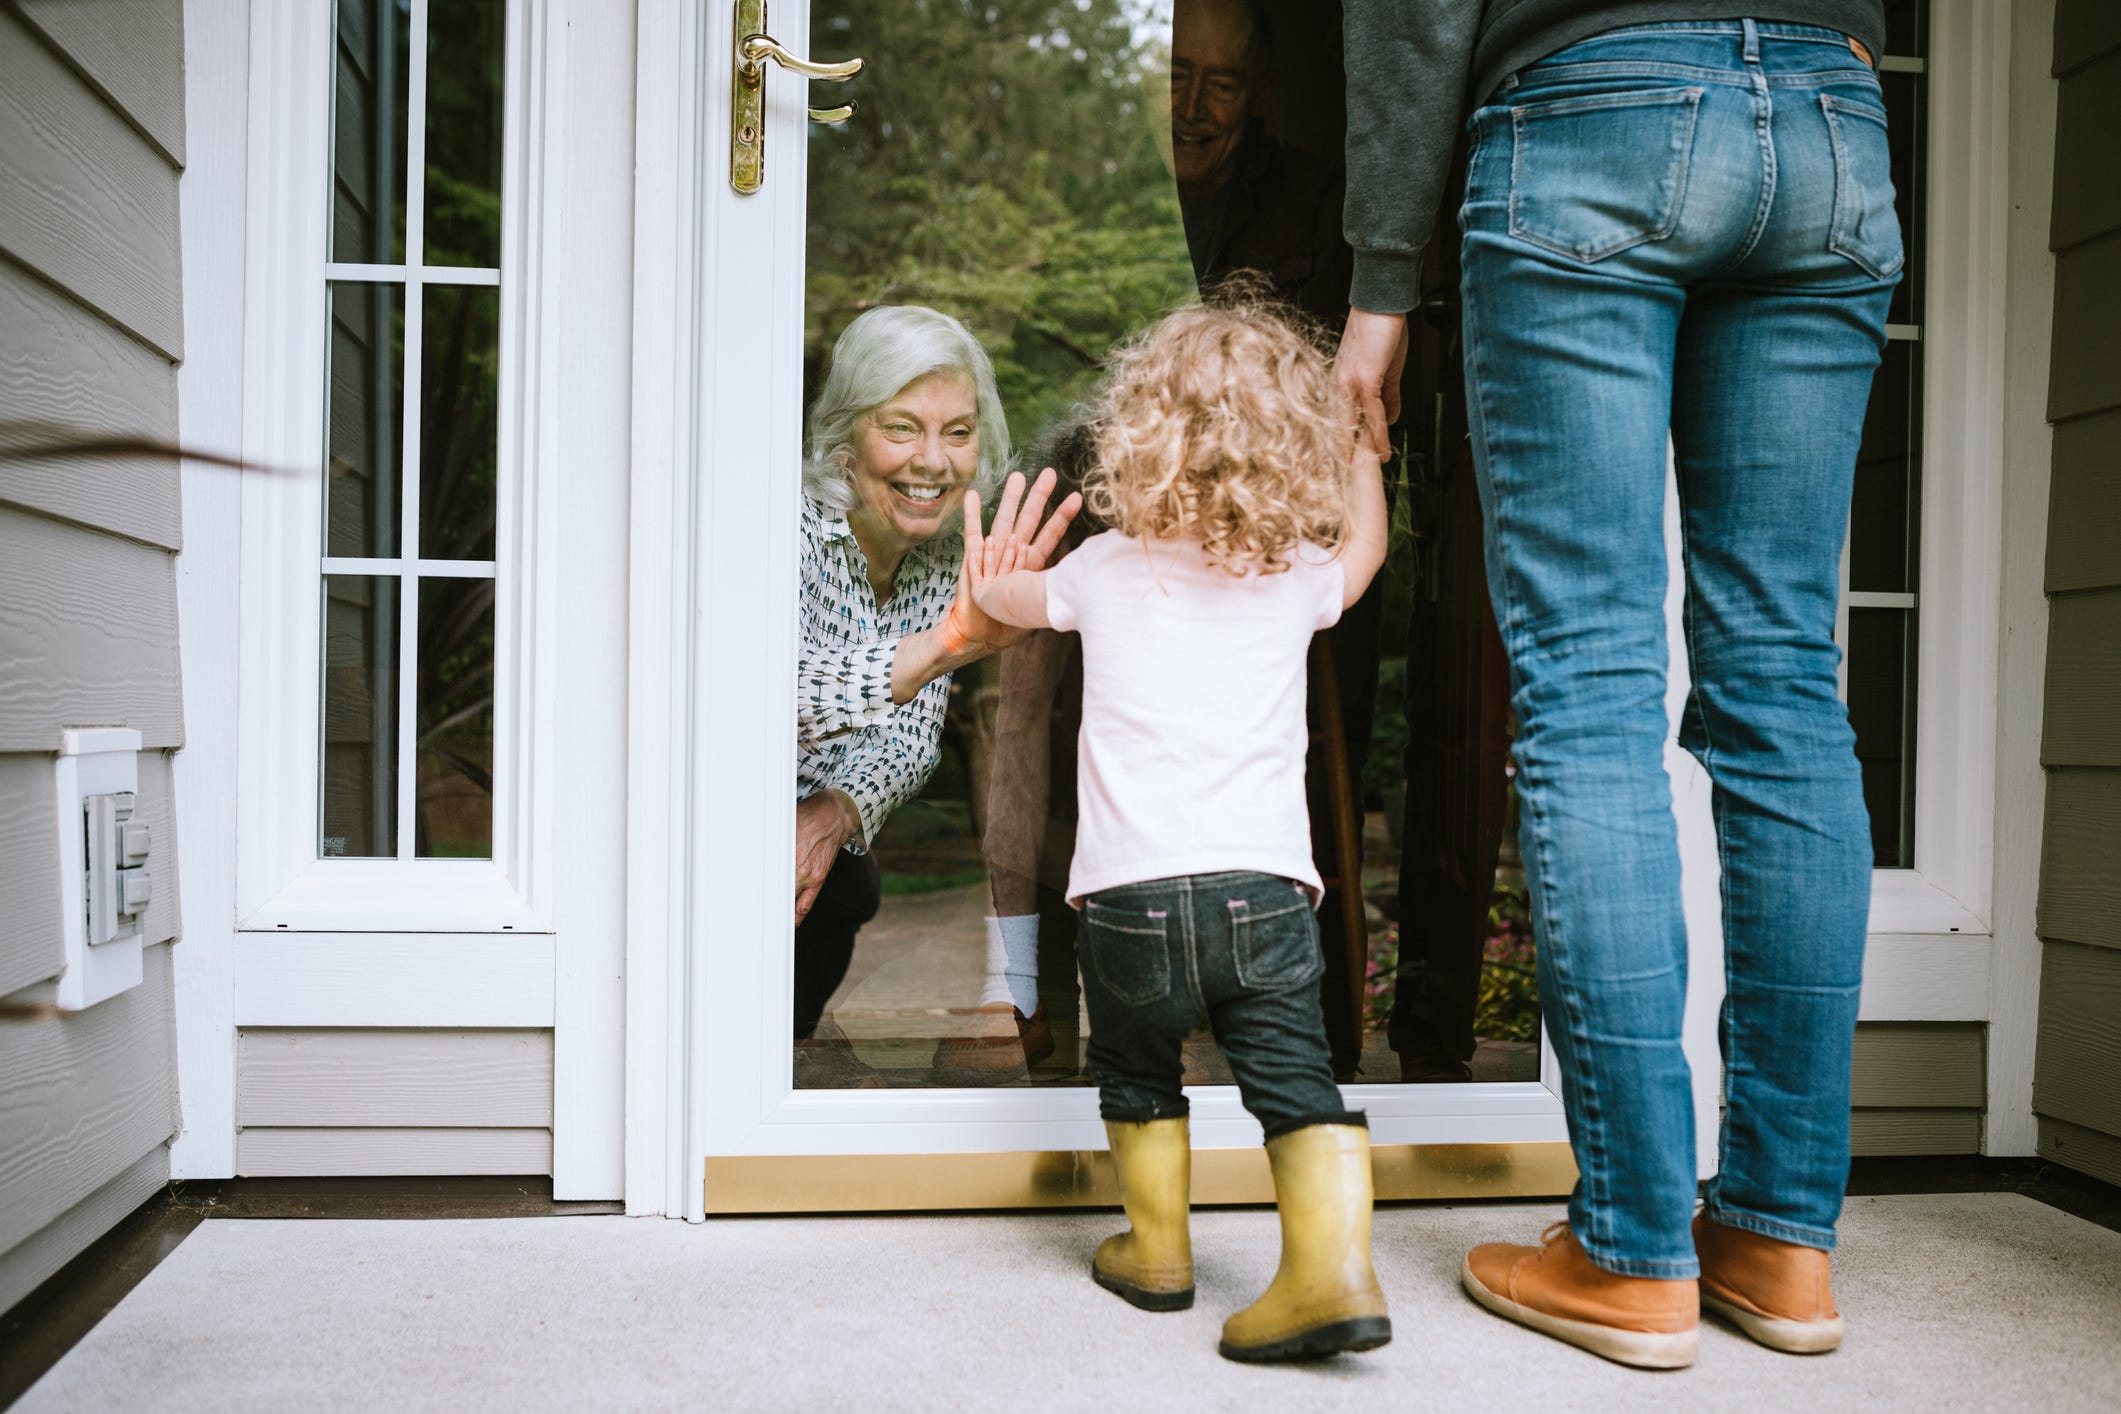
x,y
1683,229
1237,950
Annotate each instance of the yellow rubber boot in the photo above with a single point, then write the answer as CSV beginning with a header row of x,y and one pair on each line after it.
x,y
1151,1264
1324,1297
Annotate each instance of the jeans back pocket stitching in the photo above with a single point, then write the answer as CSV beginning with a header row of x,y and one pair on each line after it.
x,y
1160,985
1240,930
1837,243
1682,158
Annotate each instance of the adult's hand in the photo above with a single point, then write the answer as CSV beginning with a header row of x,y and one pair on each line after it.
x,y
1373,354
1017,541
823,825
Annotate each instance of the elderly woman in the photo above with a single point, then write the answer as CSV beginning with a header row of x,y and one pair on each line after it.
x,y
907,420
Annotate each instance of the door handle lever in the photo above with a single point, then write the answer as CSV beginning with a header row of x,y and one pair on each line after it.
x,y
751,50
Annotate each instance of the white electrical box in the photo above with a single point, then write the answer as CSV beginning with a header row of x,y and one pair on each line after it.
x,y
104,859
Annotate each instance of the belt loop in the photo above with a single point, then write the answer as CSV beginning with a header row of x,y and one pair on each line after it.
x,y
1752,40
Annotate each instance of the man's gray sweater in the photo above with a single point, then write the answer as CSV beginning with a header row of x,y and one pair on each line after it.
x,y
1414,64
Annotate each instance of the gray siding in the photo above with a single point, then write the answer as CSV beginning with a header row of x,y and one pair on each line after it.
x,y
328,1100
2077,1078
91,141
1917,1088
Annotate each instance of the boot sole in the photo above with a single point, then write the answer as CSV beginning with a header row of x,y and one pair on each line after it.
x,y
1360,1333
1645,1350
1790,1337
1141,1296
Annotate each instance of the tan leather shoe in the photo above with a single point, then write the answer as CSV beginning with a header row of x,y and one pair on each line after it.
x,y
1151,1264
1555,1288
1776,1292
1324,1297
1002,1045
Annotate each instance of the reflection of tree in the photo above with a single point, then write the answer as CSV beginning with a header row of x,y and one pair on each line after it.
x,y
1002,166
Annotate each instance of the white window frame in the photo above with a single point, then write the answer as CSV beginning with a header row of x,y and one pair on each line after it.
x,y
281,883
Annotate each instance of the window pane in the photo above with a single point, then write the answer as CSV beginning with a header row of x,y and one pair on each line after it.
x,y
1907,28
1881,676
360,727
362,501
1907,127
1885,516
459,387
454,816
368,132
465,53
1008,166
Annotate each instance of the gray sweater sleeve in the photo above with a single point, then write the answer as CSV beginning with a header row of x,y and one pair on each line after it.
x,y
1407,64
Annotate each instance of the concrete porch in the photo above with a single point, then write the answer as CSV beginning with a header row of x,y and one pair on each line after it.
x,y
1955,1301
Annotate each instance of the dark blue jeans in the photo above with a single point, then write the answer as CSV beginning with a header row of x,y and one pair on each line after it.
x,y
1683,231
1239,951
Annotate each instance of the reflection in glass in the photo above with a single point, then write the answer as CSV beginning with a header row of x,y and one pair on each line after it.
x,y
360,717
1087,167
453,815
364,430
459,395
1881,679
1907,127
370,54
1884,519
466,41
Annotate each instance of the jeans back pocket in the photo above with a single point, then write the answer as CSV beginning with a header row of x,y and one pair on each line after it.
x,y
1591,177
1275,948
1127,952
1866,228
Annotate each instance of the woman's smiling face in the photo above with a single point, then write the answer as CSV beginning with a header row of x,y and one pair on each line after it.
x,y
913,455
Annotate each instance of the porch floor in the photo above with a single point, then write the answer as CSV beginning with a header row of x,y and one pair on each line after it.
x,y
1954,1301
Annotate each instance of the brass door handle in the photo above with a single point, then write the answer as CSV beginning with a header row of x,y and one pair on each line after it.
x,y
758,48
751,50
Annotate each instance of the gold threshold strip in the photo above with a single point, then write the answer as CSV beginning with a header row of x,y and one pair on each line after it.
x,y
911,1183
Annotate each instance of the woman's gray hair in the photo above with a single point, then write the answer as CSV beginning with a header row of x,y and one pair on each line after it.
x,y
882,351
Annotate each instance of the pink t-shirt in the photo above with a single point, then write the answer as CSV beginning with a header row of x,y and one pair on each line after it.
x,y
1191,757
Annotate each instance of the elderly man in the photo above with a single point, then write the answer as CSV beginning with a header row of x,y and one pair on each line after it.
x,y
1251,201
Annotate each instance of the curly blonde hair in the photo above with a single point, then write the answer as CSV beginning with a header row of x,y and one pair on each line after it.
x,y
1222,424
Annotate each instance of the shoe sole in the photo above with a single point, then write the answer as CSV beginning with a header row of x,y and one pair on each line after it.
x,y
1350,1336
1644,1350
1141,1296
1790,1337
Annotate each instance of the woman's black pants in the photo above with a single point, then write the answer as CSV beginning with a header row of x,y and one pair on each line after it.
x,y
824,940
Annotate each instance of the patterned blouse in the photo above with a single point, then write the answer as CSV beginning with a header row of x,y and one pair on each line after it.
x,y
849,734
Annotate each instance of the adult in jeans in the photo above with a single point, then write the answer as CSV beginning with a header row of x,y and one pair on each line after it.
x,y
1679,226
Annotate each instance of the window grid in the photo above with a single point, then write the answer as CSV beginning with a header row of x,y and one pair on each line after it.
x,y
408,567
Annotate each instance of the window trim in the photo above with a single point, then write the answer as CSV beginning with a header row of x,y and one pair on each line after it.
x,y
1949,889
281,884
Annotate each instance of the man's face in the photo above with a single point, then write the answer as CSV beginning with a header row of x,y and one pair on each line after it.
x,y
1215,81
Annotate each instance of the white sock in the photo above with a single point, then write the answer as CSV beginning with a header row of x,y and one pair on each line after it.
x,y
1012,962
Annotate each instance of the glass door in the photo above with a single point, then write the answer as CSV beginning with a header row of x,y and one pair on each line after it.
x,y
1051,175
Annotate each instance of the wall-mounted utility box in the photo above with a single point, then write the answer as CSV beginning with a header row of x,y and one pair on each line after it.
x,y
104,851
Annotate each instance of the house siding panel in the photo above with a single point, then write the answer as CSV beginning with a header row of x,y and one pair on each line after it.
x,y
137,65
86,1095
2075,1079
91,137
393,1078
61,366
2084,509
88,635
92,205
2087,198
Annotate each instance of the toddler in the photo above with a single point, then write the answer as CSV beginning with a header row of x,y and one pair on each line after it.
x,y
1241,523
